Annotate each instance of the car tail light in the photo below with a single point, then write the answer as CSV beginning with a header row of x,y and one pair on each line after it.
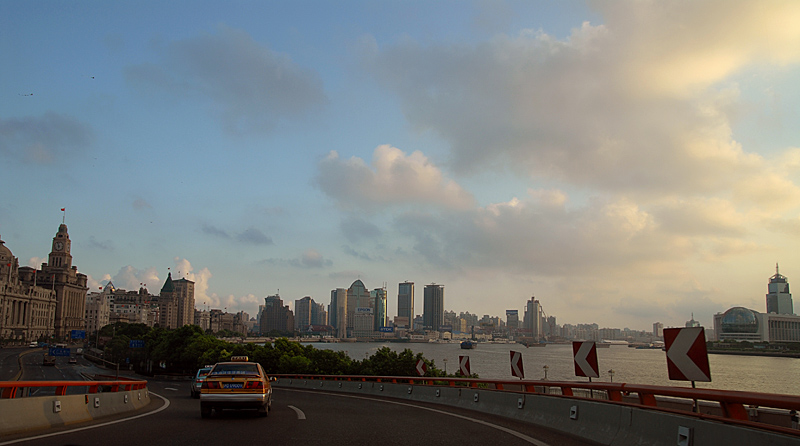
x,y
254,385
210,385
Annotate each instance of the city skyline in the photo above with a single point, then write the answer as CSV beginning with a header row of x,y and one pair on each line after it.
x,y
624,162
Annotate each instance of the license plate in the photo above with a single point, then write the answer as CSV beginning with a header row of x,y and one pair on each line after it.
x,y
232,386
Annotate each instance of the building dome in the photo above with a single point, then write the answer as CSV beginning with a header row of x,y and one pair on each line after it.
x,y
739,320
5,253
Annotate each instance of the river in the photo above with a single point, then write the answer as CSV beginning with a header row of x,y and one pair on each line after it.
x,y
630,365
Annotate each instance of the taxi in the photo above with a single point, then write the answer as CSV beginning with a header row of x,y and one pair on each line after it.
x,y
236,384
198,380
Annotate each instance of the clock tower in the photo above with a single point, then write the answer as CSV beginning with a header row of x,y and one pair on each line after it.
x,y
60,256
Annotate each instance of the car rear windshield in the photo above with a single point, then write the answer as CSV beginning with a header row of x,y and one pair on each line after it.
x,y
235,369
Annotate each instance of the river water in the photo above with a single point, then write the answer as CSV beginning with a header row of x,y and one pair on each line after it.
x,y
630,365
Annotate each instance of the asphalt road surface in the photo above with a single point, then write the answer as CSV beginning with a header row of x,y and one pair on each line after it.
x,y
298,417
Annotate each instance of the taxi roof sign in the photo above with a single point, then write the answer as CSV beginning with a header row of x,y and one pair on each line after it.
x,y
240,359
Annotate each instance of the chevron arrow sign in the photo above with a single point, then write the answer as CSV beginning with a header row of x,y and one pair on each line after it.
x,y
585,359
687,357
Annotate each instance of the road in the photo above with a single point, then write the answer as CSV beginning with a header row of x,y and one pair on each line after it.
x,y
297,417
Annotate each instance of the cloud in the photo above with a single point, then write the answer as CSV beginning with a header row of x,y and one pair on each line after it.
x,y
309,259
393,179
250,87
184,269
140,204
250,236
254,236
313,259
130,278
358,229
628,107
44,139
535,237
36,262
106,245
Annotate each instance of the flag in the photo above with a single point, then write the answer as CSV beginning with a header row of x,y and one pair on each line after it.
x,y
63,209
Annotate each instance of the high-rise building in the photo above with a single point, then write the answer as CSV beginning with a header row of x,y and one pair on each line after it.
x,y
779,300
184,292
276,316
658,329
318,314
337,312
358,296
379,306
533,318
405,302
302,313
433,307
512,319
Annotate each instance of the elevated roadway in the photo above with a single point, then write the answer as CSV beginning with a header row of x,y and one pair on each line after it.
x,y
297,417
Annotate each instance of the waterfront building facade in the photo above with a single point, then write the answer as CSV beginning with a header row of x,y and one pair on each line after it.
x,y
433,307
59,275
27,311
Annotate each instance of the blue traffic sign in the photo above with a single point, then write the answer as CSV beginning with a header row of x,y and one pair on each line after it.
x,y
55,351
78,334
136,343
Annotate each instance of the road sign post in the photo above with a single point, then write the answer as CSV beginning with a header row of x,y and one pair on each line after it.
x,y
516,365
421,367
687,357
463,365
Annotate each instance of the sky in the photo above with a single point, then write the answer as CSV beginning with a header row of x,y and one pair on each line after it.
x,y
623,162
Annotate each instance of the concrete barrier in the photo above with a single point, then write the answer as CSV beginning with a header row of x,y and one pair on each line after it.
x,y
592,420
31,413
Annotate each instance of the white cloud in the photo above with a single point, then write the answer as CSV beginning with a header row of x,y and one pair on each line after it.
x,y
640,105
393,179
130,278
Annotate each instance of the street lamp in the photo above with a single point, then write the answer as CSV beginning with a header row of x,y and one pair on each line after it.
x,y
611,374
545,367
445,366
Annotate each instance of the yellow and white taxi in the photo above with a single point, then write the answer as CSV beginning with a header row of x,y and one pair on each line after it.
x,y
237,384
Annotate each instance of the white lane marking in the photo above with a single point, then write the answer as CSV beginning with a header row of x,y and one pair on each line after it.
x,y
166,404
300,414
521,436
170,388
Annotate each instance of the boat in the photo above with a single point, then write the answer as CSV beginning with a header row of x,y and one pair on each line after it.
x,y
466,345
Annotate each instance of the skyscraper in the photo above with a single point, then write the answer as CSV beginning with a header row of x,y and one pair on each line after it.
x,y
533,318
378,297
302,313
779,300
337,313
433,307
405,302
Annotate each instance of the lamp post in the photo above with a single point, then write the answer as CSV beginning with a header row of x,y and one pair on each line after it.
x,y
445,366
545,367
611,374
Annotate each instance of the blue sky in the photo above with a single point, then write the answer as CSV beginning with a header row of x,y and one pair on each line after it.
x,y
624,162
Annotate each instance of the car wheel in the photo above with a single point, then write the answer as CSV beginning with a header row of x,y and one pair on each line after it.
x,y
205,410
263,411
